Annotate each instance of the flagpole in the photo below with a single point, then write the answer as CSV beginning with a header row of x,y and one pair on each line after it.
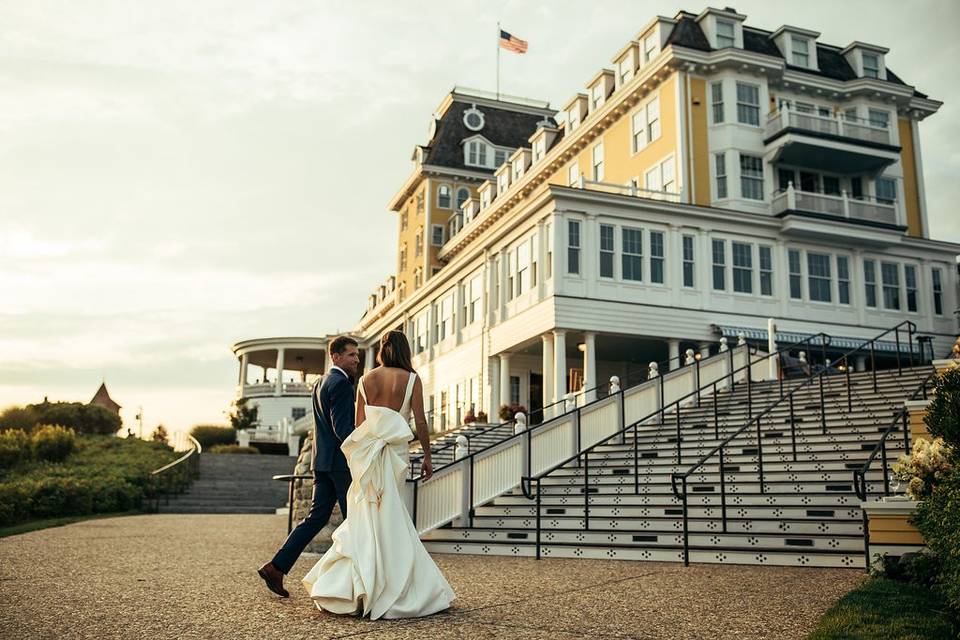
x,y
498,59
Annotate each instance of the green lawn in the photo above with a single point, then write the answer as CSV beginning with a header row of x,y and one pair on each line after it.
x,y
884,609
36,525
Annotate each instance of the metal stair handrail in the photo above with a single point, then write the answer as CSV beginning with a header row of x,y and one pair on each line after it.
x,y
757,420
582,457
165,479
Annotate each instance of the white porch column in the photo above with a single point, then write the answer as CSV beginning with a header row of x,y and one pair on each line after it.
x,y
494,366
560,363
772,348
369,360
504,379
589,365
547,367
278,390
244,365
860,363
673,352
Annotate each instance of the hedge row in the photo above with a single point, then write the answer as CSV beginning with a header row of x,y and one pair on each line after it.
x,y
82,418
50,443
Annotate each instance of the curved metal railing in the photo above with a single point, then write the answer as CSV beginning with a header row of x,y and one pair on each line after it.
x,y
174,477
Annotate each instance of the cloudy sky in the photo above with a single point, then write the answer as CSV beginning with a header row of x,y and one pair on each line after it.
x,y
176,176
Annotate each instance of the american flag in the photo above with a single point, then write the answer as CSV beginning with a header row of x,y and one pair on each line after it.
x,y
512,43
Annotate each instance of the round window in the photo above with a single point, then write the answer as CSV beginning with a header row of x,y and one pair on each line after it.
x,y
473,119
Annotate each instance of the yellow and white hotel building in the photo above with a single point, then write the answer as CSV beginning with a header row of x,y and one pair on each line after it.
x,y
713,176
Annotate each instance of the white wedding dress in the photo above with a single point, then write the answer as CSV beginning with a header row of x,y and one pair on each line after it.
x,y
377,565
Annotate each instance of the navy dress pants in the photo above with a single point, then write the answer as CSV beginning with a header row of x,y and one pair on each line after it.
x,y
329,487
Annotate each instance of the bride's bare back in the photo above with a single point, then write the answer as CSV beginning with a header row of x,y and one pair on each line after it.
x,y
387,387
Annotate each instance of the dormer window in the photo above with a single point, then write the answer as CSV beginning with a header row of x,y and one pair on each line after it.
x,y
650,46
499,157
473,119
725,34
477,153
597,97
463,194
871,65
800,51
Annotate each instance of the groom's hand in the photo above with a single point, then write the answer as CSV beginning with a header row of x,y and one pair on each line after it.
x,y
426,469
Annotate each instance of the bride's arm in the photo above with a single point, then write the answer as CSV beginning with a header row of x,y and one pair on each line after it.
x,y
422,433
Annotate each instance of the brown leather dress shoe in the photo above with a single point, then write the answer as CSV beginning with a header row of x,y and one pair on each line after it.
x,y
274,579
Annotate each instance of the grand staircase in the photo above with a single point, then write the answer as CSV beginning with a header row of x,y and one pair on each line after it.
x,y
805,512
233,483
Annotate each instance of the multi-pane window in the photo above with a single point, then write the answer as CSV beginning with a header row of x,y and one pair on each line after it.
x,y
443,196
403,220
436,235
688,261
748,103
573,175
870,282
597,96
418,243
725,37
662,177
532,248
818,277
625,69
843,280
879,118
871,65
446,317
719,266
632,254
511,275
499,157
653,120
403,258
463,194
751,177
937,276
800,51
910,281
597,155
716,101
649,48
886,190
720,161
656,257
573,246
639,125
549,267
890,275
606,251
796,278
474,298
742,267
766,271
523,267
421,324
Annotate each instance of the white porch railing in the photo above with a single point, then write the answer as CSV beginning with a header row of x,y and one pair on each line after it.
x,y
627,190
842,206
833,125
458,488
262,389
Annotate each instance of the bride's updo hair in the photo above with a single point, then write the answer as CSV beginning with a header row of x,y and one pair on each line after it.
x,y
395,351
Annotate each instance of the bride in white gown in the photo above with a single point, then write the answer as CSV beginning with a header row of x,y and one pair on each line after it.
x,y
377,565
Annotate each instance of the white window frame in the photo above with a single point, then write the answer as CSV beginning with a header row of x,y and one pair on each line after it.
x,y
936,282
795,52
795,275
660,259
722,37
720,173
716,105
573,174
748,267
434,228
870,283
595,166
609,253
896,285
444,190
721,265
746,178
843,280
871,72
688,262
768,271
650,48
575,249
748,107
819,277
636,257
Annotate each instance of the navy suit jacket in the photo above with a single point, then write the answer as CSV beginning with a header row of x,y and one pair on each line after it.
x,y
333,416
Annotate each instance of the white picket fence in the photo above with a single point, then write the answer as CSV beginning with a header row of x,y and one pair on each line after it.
x,y
493,471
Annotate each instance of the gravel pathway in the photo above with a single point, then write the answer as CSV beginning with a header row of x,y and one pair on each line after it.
x,y
193,576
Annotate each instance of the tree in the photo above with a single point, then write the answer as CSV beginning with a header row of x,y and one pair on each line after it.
x,y
160,435
244,416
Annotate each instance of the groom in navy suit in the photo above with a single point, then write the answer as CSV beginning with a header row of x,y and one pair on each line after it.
x,y
333,416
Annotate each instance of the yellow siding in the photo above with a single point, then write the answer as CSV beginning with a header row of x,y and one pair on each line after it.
x,y
700,153
407,237
893,530
911,190
620,164
918,428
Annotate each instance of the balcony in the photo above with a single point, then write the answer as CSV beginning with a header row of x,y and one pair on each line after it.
x,y
264,389
832,144
866,209
628,190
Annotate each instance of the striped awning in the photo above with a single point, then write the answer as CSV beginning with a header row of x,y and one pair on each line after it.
x,y
837,342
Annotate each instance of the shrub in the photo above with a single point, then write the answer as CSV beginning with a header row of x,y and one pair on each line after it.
x,y
943,414
160,435
87,419
244,416
52,443
232,448
923,468
23,418
938,519
482,417
209,435
14,447
916,568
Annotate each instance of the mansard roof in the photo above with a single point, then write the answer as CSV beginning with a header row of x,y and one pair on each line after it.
x,y
502,127
831,62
